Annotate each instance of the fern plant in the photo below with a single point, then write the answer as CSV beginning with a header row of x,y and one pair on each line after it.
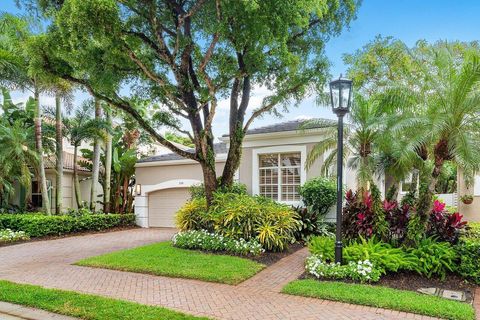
x,y
433,258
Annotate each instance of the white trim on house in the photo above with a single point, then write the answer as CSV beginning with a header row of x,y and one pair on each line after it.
x,y
222,157
141,201
278,149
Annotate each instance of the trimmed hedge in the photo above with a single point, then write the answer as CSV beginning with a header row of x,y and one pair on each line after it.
x,y
37,225
468,249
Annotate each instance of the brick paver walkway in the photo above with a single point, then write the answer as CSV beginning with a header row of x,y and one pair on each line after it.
x,y
49,264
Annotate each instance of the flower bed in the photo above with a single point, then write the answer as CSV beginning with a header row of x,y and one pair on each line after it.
x,y
8,235
209,241
361,271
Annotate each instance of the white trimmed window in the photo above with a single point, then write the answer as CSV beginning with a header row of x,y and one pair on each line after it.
x,y
279,171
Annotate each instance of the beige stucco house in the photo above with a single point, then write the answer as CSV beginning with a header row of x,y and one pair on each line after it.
x,y
272,165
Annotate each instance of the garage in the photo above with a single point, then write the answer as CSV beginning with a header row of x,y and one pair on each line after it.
x,y
163,204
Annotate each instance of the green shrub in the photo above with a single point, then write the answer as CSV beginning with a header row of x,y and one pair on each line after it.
x,y
310,224
243,216
468,249
381,254
322,246
319,194
38,225
469,252
240,216
198,190
193,215
433,258
472,231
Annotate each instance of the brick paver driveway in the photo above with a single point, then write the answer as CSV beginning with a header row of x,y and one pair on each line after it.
x,y
48,263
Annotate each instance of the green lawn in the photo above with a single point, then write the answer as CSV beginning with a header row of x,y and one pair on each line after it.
x,y
165,260
382,297
83,306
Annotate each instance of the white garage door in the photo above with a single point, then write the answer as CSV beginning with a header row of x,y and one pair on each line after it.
x,y
163,204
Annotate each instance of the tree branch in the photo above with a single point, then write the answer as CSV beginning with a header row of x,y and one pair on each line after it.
x,y
274,101
123,105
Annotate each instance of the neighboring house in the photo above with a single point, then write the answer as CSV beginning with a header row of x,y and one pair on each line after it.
x,y
272,165
34,198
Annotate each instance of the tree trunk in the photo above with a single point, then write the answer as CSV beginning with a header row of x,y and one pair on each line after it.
x,y
78,193
59,152
96,161
108,165
233,160
41,164
209,181
424,203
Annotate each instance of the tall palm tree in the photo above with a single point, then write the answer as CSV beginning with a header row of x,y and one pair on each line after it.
x,y
96,159
15,72
79,128
360,139
108,162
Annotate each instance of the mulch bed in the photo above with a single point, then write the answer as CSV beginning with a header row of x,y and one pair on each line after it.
x,y
75,234
413,281
269,258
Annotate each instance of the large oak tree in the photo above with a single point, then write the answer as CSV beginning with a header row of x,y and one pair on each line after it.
x,y
183,56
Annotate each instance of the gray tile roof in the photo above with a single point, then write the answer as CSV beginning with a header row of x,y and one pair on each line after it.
x,y
217,147
292,125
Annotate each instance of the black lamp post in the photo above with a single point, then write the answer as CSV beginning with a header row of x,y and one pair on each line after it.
x,y
341,95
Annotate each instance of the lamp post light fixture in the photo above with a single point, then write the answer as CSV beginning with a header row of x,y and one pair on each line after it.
x,y
341,96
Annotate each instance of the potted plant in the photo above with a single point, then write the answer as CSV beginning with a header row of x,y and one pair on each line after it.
x,y
467,198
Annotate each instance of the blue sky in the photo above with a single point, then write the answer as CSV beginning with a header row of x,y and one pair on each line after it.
x,y
407,20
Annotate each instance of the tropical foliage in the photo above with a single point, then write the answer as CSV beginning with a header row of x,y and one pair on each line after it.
x,y
240,216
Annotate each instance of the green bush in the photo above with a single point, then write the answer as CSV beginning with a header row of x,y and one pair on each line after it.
x,y
322,246
433,258
193,216
319,194
198,190
240,216
243,216
311,224
472,231
38,225
381,254
468,249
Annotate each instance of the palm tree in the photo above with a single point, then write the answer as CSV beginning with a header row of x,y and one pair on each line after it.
x,y
446,101
360,139
96,159
107,186
15,72
17,156
81,127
